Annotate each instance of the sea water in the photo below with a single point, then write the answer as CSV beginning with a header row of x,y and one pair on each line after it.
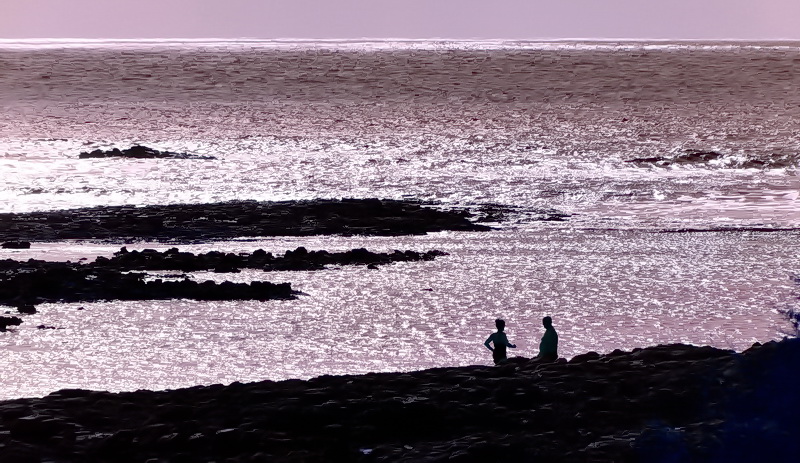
x,y
699,253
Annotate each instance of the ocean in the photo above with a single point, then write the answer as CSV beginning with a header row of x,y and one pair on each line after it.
x,y
660,243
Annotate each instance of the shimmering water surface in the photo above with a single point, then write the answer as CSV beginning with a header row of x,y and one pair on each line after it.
x,y
538,126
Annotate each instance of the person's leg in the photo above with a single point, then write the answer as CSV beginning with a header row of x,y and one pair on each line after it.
x,y
498,357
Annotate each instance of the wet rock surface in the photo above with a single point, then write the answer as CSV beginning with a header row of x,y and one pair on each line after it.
x,y
236,219
505,213
57,282
694,157
298,259
5,322
672,403
24,283
16,245
139,152
687,157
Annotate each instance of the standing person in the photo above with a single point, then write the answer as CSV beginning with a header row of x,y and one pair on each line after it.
x,y
548,348
500,341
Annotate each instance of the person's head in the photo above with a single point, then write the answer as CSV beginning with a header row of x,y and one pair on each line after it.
x,y
500,324
547,322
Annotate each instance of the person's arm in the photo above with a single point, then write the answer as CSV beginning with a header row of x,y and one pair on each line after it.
x,y
505,341
488,340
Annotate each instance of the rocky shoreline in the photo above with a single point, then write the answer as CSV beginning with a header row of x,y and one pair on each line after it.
x,y
182,222
674,403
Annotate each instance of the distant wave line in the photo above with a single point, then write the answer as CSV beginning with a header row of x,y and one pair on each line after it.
x,y
398,43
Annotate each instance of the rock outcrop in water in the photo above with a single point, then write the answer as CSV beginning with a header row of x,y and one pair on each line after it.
x,y
139,152
67,283
704,158
672,403
36,281
299,259
502,213
687,157
236,219
5,322
16,245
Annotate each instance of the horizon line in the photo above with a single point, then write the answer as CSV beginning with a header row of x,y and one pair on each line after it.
x,y
388,39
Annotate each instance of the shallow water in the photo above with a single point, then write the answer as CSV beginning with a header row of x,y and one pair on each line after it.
x,y
536,126
605,290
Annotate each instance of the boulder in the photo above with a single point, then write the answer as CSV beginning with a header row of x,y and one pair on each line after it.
x,y
9,321
27,309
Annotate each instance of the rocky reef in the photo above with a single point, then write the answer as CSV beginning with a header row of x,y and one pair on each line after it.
x,y
236,219
121,277
16,245
672,403
139,152
298,259
66,284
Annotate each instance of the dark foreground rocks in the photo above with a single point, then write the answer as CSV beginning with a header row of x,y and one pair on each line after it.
x,y
139,152
24,283
236,219
673,403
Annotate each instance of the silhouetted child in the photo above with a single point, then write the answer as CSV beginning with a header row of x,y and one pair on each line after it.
x,y
500,342
548,348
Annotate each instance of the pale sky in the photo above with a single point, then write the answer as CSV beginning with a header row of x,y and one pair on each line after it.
x,y
458,19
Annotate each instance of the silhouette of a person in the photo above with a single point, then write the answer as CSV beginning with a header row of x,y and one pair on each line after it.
x,y
500,342
548,348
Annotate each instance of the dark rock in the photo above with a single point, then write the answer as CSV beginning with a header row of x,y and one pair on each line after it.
x,y
585,357
5,322
28,309
696,156
236,219
39,428
299,259
662,403
687,157
702,157
65,282
16,245
139,152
